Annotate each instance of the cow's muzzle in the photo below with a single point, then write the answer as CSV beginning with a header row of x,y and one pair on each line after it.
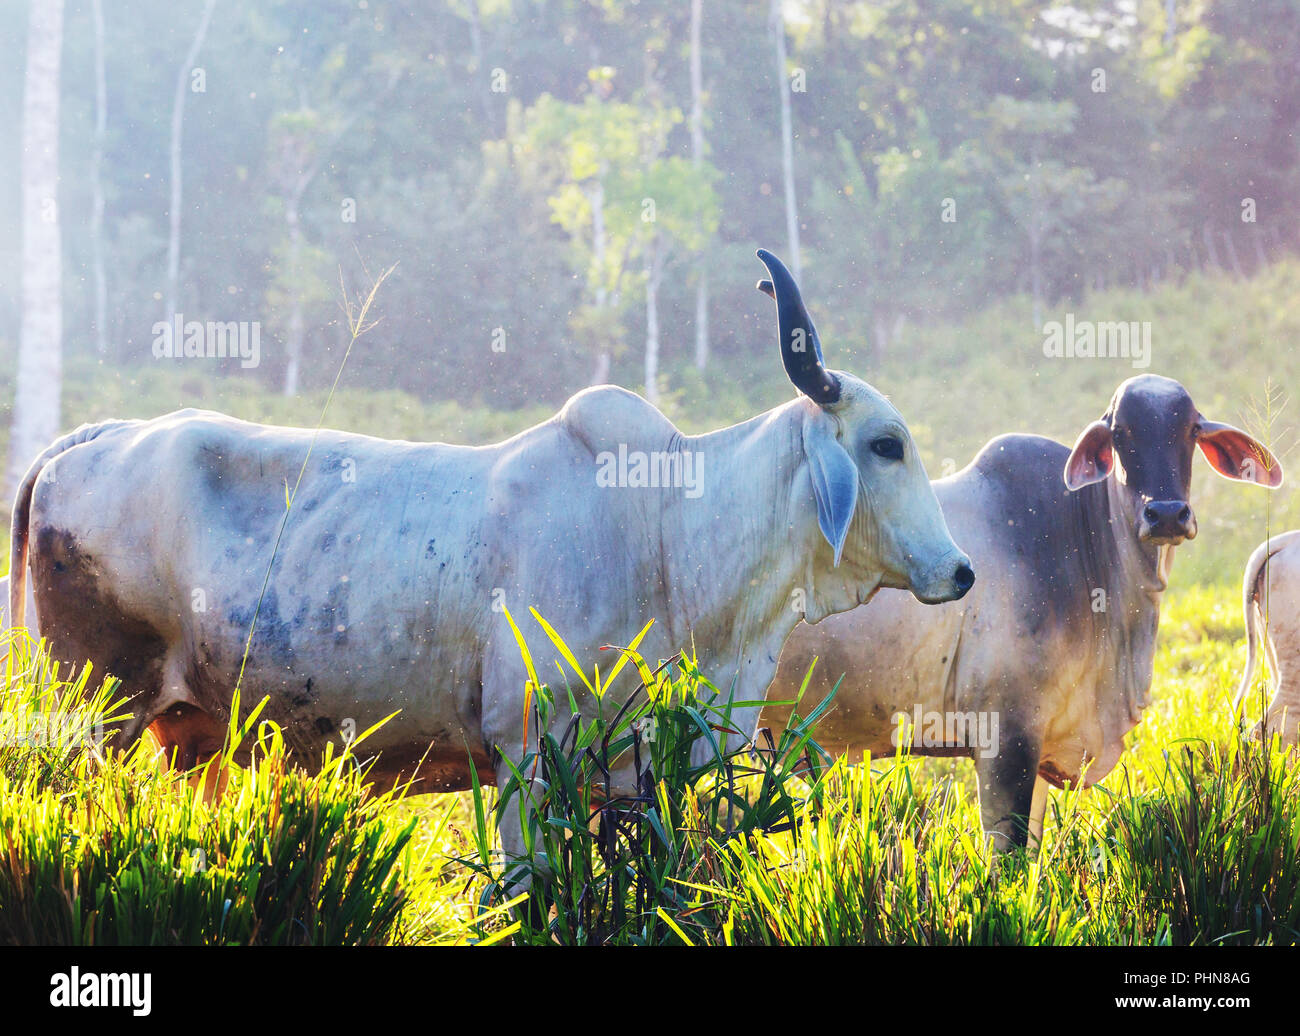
x,y
947,581
1167,522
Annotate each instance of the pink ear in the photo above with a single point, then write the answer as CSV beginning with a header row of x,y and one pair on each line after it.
x,y
1234,454
1092,458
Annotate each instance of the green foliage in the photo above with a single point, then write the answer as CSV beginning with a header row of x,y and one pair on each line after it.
x,y
618,196
1208,854
1193,839
1185,843
606,863
428,118
893,860
99,847
1212,854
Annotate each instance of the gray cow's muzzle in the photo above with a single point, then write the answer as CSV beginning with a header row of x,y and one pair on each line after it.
x,y
947,581
1167,523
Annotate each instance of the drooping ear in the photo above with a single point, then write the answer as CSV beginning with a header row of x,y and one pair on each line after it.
x,y
1092,459
1236,455
834,481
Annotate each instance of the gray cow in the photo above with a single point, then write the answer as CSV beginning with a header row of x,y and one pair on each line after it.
x,y
149,542
1045,667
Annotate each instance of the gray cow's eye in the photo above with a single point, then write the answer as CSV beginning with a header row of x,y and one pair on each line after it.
x,y
888,446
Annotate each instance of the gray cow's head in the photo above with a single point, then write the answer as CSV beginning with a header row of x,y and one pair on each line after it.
x,y
1146,439
875,505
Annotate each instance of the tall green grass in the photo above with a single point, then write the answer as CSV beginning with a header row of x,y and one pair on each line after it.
x,y
100,847
1207,856
1193,840
607,862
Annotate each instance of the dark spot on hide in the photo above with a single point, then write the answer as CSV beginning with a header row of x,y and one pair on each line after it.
x,y
305,697
273,634
333,614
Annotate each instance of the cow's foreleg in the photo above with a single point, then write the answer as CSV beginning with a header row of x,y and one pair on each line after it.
x,y
1037,812
511,820
514,846
1006,789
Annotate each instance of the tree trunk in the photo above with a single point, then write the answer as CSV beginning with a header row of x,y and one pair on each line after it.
x,y
293,343
1211,253
476,52
40,351
697,156
787,140
880,332
178,121
1232,255
97,185
1036,277
599,246
1261,257
654,271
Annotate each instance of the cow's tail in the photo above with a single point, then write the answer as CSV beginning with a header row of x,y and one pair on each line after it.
x,y
1252,610
23,511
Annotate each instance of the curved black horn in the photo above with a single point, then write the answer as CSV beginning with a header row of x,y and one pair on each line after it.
x,y
803,365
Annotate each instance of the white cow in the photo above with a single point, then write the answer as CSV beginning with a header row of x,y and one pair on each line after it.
x,y
1272,613
148,544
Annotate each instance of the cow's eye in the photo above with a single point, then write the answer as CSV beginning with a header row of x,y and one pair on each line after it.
x,y
887,446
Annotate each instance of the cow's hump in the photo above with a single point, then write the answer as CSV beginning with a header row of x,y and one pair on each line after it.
x,y
605,417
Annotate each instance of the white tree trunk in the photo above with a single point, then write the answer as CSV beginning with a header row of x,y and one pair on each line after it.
x,y
479,73
787,140
293,344
599,248
1036,273
40,351
654,272
697,156
178,123
97,185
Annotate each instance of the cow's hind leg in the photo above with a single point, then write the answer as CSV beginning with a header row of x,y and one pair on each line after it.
x,y
1282,715
83,622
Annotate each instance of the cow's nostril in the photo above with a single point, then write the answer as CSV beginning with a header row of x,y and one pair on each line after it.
x,y
1185,516
1151,513
963,578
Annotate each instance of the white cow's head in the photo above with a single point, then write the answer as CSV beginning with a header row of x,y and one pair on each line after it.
x,y
875,505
